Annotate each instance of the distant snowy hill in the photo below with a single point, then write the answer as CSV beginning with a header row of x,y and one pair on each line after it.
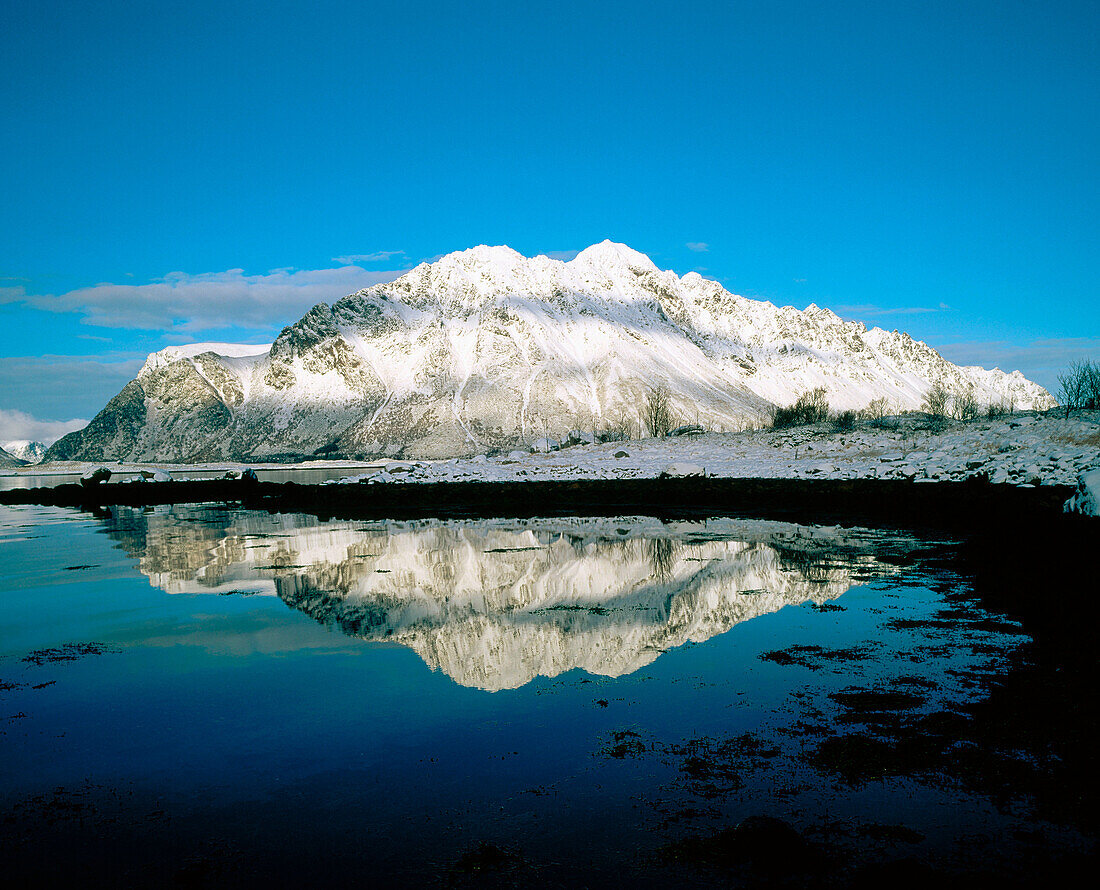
x,y
7,459
31,452
486,348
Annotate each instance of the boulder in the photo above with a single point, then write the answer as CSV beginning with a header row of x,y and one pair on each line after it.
x,y
1086,499
95,477
679,471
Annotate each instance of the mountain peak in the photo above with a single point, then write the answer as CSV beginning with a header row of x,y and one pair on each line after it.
x,y
609,255
485,254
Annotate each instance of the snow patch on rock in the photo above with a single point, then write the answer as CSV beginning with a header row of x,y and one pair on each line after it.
x,y
1086,499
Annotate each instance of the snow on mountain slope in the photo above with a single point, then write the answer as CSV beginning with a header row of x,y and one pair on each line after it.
x,y
487,348
10,460
23,449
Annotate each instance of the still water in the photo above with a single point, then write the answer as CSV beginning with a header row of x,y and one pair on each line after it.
x,y
230,697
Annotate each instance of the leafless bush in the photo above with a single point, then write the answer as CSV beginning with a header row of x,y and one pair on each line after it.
x,y
845,420
1000,409
622,427
936,400
811,407
876,409
1079,386
964,406
657,412
881,413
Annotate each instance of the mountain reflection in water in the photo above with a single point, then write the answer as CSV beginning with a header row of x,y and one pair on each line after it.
x,y
494,604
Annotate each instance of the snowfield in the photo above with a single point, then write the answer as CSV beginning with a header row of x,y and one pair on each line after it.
x,y
1029,448
1022,449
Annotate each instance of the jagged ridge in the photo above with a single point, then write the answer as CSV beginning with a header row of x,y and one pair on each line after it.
x,y
487,349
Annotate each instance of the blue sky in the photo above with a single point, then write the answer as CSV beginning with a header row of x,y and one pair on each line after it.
x,y
179,171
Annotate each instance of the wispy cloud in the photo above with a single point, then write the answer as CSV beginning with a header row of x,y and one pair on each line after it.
x,y
698,246
1039,360
379,256
64,386
564,255
208,301
869,309
16,425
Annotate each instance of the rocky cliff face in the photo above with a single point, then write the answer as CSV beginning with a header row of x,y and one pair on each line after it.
x,y
489,349
495,604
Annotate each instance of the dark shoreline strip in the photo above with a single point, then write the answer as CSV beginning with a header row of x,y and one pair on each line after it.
x,y
873,502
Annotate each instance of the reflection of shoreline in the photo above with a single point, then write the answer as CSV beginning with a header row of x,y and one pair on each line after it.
x,y
495,604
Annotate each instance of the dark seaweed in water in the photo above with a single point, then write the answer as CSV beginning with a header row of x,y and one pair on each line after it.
x,y
67,652
815,657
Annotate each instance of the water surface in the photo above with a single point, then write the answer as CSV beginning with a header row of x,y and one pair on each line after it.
x,y
235,697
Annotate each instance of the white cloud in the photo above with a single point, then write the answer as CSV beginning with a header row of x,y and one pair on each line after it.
x,y
207,301
871,309
63,386
377,257
698,246
16,425
1039,360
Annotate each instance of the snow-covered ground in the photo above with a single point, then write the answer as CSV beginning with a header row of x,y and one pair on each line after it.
x,y
1020,449
1030,448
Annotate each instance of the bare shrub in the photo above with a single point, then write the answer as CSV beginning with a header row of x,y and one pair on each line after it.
x,y
811,407
845,420
876,409
1079,386
657,411
964,406
1000,409
936,400
622,427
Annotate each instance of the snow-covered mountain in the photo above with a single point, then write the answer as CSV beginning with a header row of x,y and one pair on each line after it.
x,y
10,460
487,348
494,604
23,449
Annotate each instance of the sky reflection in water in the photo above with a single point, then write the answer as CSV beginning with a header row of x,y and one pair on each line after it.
x,y
539,684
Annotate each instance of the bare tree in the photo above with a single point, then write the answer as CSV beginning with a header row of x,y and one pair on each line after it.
x,y
657,412
1092,388
876,409
964,406
935,401
810,407
1079,386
